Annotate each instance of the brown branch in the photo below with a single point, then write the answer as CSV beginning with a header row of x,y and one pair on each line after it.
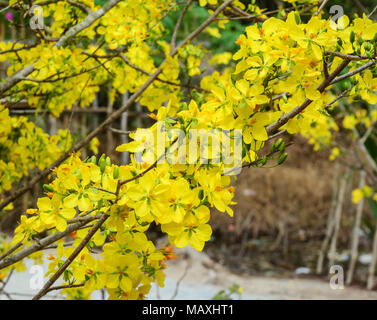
x,y
73,31
11,250
325,68
159,79
13,50
141,174
42,243
340,96
178,24
322,5
104,190
46,38
272,128
76,4
277,134
70,259
347,56
281,95
8,7
353,72
65,77
121,131
80,5
65,287
257,17
204,25
372,13
6,281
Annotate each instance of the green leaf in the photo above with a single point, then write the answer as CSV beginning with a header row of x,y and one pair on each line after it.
x,y
371,146
373,207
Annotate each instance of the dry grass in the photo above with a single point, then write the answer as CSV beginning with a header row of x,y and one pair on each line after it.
x,y
293,198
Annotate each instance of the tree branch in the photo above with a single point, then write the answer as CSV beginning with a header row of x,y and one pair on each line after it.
x,y
70,259
176,28
323,3
272,128
73,31
353,72
42,243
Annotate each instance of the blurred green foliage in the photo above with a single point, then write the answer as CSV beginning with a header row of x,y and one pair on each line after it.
x,y
229,294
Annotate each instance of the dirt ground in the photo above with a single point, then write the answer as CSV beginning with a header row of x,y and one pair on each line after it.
x,y
194,276
202,271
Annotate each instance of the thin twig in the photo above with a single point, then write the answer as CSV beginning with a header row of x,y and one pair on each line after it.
x,y
65,287
8,7
70,259
323,3
42,243
277,134
141,174
366,135
340,96
11,250
121,131
126,61
104,190
177,26
72,32
353,72
356,230
272,128
180,280
347,56
373,11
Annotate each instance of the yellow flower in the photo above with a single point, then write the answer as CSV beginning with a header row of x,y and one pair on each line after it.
x,y
193,231
203,3
335,152
215,188
357,195
255,129
52,213
178,199
120,270
147,196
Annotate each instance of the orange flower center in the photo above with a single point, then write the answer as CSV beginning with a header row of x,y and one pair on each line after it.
x,y
50,257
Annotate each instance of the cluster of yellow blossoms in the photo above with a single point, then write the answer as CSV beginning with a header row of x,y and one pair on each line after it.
x,y
24,146
365,192
280,64
130,261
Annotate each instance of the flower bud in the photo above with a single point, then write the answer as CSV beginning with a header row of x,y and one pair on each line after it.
x,y
352,37
282,158
367,46
48,188
116,173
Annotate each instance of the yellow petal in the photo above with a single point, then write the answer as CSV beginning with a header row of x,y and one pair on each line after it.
x,y
61,224
44,204
68,213
259,133
71,201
